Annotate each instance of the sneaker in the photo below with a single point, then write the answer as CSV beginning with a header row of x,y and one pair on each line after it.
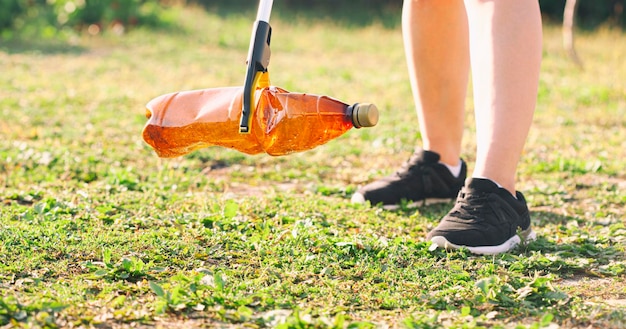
x,y
421,179
486,219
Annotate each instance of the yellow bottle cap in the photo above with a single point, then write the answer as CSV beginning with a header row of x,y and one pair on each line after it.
x,y
364,115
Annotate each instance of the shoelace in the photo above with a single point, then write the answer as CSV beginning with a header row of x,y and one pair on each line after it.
x,y
469,203
412,162
416,164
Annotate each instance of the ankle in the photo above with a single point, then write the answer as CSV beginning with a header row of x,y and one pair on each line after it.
x,y
455,170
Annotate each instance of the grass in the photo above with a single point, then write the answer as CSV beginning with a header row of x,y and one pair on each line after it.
x,y
96,231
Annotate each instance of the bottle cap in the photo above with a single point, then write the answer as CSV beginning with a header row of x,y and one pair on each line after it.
x,y
364,115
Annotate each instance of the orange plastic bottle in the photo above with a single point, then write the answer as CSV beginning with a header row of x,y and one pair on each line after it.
x,y
282,122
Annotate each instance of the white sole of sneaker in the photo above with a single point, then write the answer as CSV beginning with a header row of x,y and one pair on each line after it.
x,y
527,235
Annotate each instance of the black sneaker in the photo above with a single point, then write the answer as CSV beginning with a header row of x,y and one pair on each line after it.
x,y
421,179
486,219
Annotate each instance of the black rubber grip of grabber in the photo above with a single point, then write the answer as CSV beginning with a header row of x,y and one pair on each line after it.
x,y
257,63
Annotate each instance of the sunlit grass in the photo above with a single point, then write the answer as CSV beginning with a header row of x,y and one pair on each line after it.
x,y
95,230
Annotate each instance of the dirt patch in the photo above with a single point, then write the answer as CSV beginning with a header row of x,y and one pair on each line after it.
x,y
611,291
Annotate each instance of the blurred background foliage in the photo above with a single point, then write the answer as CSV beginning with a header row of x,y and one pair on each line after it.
x,y
49,17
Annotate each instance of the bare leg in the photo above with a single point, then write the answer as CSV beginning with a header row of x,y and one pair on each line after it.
x,y
503,39
505,52
437,51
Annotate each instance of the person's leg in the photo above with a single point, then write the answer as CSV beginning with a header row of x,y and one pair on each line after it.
x,y
437,52
506,41
505,48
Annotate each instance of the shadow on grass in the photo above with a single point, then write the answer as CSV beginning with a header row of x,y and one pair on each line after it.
x,y
543,218
350,14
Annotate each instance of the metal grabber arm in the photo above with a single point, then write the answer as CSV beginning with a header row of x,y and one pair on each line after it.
x,y
258,61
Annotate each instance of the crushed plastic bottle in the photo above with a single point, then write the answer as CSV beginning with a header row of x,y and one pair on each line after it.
x,y
282,122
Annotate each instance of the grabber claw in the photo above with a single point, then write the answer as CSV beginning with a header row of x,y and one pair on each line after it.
x,y
258,61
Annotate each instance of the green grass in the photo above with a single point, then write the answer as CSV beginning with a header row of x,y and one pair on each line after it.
x,y
96,231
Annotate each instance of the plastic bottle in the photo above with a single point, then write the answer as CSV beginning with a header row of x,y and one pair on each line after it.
x,y
282,122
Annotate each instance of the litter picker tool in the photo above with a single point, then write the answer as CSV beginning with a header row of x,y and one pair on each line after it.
x,y
254,118
257,62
